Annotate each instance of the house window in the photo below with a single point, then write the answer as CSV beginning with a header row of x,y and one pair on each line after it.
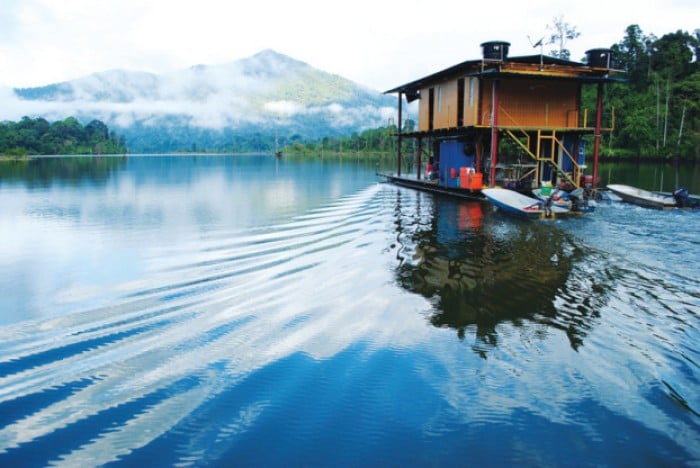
x,y
439,99
472,82
460,102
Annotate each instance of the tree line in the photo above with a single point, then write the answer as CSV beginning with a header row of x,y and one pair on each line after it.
x,y
38,136
375,140
659,106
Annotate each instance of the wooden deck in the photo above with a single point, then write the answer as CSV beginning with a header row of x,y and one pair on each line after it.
x,y
432,187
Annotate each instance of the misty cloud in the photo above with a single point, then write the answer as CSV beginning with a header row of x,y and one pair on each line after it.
x,y
266,94
284,108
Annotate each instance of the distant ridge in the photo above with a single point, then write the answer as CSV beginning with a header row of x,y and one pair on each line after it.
x,y
233,106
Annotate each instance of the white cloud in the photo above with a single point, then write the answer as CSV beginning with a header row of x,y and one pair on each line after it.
x,y
335,108
380,44
284,108
218,111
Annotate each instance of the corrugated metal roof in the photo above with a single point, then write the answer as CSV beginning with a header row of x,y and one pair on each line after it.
x,y
473,68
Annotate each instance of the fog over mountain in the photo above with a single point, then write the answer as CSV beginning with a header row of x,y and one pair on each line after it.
x,y
233,106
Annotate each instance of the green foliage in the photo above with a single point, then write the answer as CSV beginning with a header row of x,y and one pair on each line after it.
x,y
657,111
380,140
69,136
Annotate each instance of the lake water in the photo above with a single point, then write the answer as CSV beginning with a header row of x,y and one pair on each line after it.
x,y
249,311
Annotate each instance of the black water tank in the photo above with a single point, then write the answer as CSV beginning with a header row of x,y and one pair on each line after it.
x,y
495,50
599,58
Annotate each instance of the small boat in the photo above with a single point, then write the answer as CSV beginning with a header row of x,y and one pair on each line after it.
x,y
641,197
278,152
510,201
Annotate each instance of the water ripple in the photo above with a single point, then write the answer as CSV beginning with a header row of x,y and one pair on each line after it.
x,y
382,321
232,308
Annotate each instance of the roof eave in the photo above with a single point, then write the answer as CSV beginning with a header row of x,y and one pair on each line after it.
x,y
468,69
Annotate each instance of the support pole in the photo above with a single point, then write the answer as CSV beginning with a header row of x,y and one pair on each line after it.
x,y
479,154
494,132
398,153
419,155
596,136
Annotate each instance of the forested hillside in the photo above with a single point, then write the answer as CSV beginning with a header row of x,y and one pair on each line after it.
x,y
658,110
69,136
232,107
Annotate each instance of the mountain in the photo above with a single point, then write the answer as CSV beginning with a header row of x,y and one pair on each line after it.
x,y
241,105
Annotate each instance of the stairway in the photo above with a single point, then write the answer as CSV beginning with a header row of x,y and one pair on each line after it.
x,y
548,137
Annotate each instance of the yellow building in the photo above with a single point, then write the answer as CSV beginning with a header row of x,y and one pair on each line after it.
x,y
516,120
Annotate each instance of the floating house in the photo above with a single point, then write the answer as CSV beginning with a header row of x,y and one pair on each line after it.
x,y
514,122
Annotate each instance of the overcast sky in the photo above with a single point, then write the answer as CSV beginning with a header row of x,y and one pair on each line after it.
x,y
377,43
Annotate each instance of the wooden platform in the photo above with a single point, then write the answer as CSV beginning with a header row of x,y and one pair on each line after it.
x,y
432,187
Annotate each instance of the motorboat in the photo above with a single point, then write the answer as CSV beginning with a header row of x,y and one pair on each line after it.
x,y
516,203
641,197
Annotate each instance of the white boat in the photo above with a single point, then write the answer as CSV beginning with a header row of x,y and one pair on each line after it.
x,y
510,201
642,197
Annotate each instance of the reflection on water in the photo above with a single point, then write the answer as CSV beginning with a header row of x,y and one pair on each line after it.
x,y
260,312
77,231
480,275
664,177
45,171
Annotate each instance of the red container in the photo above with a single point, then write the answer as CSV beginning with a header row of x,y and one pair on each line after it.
x,y
477,181
464,176
468,179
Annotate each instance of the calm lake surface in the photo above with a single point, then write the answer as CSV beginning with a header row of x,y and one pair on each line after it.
x,y
249,311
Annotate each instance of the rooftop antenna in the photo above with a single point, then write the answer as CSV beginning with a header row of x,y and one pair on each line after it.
x,y
540,44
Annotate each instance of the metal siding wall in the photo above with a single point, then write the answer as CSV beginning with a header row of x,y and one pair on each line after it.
x,y
523,102
424,110
528,103
446,111
447,117
452,103
471,107
440,106
486,102
452,157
